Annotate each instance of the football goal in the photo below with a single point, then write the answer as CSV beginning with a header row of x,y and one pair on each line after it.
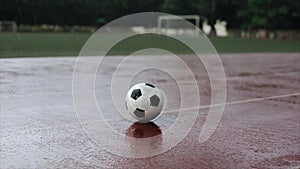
x,y
176,25
8,26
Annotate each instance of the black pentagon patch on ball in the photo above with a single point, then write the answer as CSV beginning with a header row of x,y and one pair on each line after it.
x,y
154,100
139,112
150,85
136,93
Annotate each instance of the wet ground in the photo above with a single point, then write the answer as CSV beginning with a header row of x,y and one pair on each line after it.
x,y
39,127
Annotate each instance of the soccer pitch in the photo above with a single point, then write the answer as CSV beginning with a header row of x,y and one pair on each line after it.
x,y
69,44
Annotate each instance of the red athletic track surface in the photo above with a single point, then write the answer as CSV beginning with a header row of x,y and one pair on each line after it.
x,y
40,129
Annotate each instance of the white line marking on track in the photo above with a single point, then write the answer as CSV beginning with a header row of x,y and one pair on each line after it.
x,y
236,102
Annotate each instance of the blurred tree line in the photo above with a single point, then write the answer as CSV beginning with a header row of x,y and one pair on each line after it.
x,y
240,14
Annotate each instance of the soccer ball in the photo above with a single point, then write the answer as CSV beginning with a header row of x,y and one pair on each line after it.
x,y
144,102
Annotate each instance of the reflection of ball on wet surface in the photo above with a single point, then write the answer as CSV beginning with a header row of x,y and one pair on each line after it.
x,y
144,102
143,130
144,138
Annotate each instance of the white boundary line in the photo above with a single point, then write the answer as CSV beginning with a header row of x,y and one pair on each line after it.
x,y
237,102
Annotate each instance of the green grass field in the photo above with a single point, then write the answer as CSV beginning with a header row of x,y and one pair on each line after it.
x,y
69,44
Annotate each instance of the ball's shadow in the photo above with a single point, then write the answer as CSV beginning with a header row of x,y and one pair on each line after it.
x,y
143,130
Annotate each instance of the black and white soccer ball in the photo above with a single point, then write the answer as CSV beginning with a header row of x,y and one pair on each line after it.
x,y
144,102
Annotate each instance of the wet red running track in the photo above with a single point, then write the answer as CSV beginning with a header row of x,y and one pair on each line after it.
x,y
39,127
